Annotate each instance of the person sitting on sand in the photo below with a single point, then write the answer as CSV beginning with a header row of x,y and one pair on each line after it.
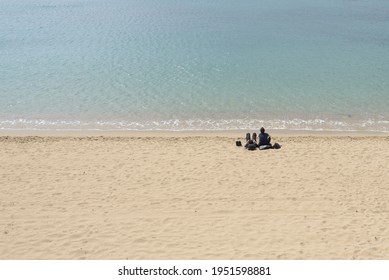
x,y
248,137
264,138
251,145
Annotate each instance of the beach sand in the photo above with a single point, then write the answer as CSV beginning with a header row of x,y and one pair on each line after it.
x,y
177,196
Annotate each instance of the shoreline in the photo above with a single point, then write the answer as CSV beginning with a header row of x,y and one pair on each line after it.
x,y
186,133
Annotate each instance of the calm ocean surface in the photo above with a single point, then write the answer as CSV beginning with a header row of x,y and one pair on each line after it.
x,y
194,64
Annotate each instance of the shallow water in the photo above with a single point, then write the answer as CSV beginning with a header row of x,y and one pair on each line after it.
x,y
194,64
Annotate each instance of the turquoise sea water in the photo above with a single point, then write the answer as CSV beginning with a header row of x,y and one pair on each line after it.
x,y
194,64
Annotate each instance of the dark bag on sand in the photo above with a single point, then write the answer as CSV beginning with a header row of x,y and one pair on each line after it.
x,y
238,144
277,146
251,147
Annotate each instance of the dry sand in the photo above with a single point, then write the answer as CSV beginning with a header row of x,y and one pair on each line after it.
x,y
197,197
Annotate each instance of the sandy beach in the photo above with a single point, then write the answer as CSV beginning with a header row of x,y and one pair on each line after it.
x,y
188,196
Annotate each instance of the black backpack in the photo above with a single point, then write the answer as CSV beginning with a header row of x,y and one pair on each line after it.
x,y
276,146
251,147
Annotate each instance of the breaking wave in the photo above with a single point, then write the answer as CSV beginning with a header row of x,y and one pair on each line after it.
x,y
197,125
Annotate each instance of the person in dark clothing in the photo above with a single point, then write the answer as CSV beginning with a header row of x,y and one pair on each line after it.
x,y
255,137
248,137
264,138
251,145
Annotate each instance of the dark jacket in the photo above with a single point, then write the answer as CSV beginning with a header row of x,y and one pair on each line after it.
x,y
264,139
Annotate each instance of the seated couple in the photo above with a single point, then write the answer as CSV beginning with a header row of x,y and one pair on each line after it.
x,y
263,141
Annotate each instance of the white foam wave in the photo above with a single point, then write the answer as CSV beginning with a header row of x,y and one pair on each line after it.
x,y
197,125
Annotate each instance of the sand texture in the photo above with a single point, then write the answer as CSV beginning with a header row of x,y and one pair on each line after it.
x,y
164,197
